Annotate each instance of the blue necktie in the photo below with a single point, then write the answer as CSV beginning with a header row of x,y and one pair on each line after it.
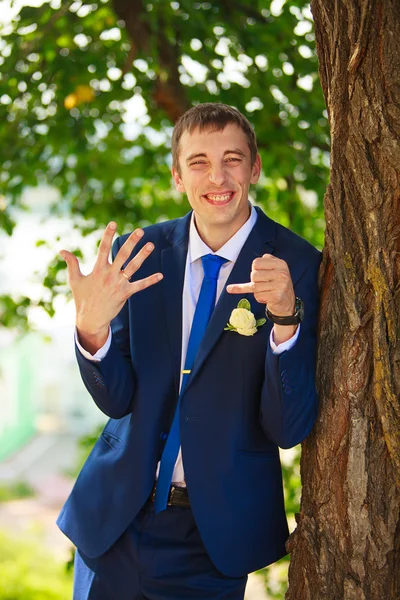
x,y
205,306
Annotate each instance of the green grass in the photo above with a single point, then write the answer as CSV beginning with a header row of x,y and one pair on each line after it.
x,y
30,572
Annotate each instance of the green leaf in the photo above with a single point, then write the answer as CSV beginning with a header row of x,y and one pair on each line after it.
x,y
229,328
260,322
244,303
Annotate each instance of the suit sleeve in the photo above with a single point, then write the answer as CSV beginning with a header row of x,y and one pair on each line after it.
x,y
289,401
111,382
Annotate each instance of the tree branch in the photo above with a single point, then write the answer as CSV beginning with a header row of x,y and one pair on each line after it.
x,y
169,94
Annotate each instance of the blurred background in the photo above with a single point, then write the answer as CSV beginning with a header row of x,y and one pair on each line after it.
x,y
89,93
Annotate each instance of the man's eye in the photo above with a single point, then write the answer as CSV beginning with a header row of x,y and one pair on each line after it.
x,y
233,159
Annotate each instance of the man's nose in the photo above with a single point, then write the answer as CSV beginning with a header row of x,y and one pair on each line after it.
x,y
217,175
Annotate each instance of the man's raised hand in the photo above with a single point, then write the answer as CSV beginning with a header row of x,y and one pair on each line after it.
x,y
271,284
100,295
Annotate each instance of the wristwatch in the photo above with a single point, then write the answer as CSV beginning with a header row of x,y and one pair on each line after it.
x,y
291,320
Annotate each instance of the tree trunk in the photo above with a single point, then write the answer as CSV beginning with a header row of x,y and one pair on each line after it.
x,y
347,543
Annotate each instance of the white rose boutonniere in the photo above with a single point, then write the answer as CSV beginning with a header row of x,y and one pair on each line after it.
x,y
242,320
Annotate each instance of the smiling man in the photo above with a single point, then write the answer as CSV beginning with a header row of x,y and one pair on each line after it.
x,y
203,376
215,169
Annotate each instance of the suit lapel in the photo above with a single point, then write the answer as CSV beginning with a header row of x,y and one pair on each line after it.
x,y
258,243
173,262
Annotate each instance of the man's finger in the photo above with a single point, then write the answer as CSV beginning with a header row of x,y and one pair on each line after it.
x,y
268,262
126,249
240,288
106,242
262,277
138,260
142,284
74,271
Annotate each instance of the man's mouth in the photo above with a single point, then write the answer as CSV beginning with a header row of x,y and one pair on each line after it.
x,y
220,199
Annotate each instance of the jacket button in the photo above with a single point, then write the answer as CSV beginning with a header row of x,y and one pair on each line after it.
x,y
163,435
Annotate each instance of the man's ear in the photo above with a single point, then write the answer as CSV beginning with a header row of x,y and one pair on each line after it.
x,y
256,170
178,181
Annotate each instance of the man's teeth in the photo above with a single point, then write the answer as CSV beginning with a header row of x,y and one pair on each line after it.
x,y
219,198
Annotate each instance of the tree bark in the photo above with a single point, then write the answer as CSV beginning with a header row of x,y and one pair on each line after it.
x,y
347,543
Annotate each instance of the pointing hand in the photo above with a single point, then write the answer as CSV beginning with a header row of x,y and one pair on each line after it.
x,y
271,284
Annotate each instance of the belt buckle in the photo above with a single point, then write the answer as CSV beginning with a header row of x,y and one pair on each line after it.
x,y
171,495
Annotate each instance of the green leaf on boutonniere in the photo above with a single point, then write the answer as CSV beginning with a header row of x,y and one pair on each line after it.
x,y
229,328
260,322
244,303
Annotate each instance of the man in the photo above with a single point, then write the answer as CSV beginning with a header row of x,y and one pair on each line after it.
x,y
181,496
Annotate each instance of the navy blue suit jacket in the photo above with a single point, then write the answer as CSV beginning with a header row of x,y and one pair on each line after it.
x,y
240,404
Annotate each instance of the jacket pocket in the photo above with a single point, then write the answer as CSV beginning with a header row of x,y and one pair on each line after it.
x,y
112,440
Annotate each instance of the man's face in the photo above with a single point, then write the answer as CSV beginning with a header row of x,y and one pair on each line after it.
x,y
216,173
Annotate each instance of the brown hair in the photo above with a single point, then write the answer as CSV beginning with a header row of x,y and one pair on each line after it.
x,y
213,116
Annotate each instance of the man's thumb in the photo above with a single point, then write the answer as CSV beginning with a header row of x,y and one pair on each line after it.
x,y
72,264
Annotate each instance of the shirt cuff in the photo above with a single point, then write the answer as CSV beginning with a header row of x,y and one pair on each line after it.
x,y
278,349
101,352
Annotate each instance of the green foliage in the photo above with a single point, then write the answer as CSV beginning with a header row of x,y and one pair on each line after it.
x,y
91,113
27,572
15,490
14,312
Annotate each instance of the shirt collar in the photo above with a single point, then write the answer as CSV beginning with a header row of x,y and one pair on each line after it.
x,y
230,250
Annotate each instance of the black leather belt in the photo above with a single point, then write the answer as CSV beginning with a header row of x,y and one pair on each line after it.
x,y
178,496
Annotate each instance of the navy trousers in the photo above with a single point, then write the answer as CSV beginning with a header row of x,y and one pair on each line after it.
x,y
159,557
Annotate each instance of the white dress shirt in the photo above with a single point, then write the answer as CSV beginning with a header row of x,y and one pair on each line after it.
x,y
191,290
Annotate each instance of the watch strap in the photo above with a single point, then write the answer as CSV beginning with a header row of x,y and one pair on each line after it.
x,y
288,320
